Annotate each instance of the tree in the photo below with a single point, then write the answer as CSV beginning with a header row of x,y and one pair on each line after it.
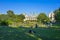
x,y
57,15
10,13
3,23
20,18
3,17
42,18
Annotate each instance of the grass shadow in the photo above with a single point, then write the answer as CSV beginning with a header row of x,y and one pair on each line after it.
x,y
22,33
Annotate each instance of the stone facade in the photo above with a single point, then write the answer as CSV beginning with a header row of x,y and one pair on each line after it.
x,y
52,17
30,17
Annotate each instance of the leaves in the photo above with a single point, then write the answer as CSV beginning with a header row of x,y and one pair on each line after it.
x,y
42,17
57,15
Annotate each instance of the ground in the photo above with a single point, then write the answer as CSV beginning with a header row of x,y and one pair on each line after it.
x,y
22,33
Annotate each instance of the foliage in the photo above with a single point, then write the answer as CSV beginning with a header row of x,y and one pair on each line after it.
x,y
20,17
3,17
57,15
3,23
10,17
15,18
10,13
9,22
42,18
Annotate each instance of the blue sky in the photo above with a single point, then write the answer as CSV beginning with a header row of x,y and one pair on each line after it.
x,y
27,6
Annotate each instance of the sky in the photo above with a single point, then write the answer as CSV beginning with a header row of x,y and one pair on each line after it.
x,y
29,6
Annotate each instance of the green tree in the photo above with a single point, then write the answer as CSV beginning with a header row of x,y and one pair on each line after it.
x,y
42,18
3,17
9,22
20,17
10,13
57,15
3,23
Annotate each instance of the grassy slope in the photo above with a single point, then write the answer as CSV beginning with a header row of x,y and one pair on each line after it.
x,y
9,33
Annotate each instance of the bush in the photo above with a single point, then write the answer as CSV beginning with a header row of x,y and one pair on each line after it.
x,y
3,23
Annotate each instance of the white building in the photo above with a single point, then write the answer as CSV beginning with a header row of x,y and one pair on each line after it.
x,y
52,17
30,17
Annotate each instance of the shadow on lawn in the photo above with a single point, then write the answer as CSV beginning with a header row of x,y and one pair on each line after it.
x,y
21,33
9,33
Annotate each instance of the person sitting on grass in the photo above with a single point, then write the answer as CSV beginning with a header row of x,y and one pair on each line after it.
x,y
31,31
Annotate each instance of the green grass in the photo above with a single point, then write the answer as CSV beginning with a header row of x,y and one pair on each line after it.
x,y
10,33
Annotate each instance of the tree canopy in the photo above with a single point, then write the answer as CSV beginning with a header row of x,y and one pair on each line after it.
x,y
10,13
20,18
57,15
42,18
11,17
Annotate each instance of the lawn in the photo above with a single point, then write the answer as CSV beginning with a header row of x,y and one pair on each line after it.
x,y
22,33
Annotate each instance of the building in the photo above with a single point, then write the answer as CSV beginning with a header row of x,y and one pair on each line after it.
x,y
52,17
30,17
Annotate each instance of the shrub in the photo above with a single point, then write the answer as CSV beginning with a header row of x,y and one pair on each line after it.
x,y
3,23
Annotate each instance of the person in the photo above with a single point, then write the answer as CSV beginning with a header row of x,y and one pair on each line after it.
x,y
36,25
31,31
